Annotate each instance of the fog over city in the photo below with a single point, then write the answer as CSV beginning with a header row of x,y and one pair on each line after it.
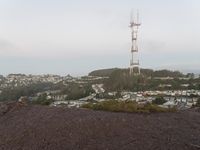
x,y
75,37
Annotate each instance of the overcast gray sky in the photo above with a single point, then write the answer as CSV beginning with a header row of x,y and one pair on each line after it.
x,y
77,36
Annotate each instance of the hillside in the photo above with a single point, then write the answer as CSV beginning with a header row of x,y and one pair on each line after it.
x,y
102,72
50,128
146,72
121,79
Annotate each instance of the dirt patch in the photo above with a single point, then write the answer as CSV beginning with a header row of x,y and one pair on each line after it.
x,y
49,128
6,107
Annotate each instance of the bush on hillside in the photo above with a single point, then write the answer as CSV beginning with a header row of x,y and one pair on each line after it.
x,y
159,101
42,100
198,102
126,106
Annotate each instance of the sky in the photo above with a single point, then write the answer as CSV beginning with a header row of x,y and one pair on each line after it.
x,y
78,36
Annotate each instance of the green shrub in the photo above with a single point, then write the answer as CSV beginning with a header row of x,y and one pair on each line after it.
x,y
126,106
159,101
42,100
198,102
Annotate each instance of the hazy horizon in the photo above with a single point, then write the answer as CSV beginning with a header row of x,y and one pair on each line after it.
x,y
76,37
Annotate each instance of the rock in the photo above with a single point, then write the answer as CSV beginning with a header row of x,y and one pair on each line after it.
x,y
3,108
23,100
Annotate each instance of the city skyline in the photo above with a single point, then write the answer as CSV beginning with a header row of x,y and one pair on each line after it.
x,y
76,37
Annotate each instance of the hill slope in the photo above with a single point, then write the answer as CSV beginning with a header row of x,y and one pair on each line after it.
x,y
147,72
102,72
40,127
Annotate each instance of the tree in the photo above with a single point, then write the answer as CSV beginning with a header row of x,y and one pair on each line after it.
x,y
43,100
198,102
159,101
190,75
76,91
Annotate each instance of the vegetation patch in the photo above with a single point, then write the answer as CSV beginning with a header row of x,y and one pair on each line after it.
x,y
159,100
126,106
42,100
198,102
76,91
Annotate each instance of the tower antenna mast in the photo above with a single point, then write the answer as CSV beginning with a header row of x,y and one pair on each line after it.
x,y
134,62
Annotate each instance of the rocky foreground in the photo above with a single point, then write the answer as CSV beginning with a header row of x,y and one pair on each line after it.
x,y
31,127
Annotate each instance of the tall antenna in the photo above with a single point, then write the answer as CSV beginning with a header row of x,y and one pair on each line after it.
x,y
134,63
138,16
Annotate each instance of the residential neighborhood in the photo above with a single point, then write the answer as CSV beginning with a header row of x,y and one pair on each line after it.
x,y
59,88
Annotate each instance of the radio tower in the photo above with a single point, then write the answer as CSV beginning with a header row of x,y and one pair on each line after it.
x,y
134,63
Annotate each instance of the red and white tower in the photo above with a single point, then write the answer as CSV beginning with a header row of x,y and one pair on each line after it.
x,y
134,63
